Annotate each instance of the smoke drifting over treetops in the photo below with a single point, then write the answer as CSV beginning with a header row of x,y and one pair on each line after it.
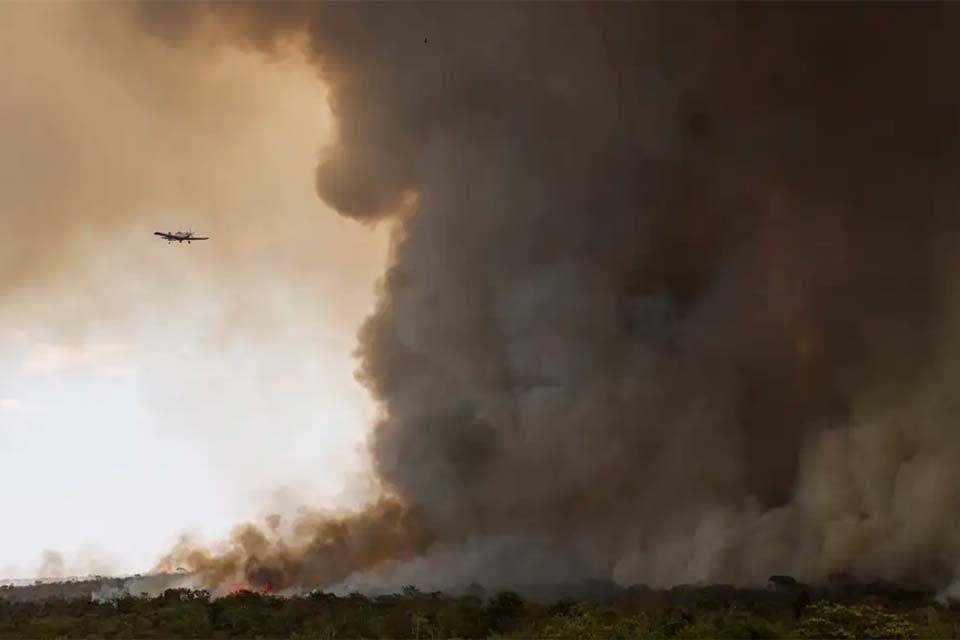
x,y
671,295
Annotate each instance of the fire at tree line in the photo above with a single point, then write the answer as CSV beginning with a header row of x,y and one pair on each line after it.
x,y
104,608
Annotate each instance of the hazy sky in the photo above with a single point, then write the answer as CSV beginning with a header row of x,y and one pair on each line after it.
x,y
149,389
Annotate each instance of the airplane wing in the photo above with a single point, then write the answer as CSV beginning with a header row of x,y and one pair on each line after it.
x,y
165,235
195,238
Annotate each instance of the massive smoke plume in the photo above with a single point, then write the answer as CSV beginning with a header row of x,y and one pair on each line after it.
x,y
671,291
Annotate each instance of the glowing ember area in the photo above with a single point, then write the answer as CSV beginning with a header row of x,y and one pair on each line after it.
x,y
241,587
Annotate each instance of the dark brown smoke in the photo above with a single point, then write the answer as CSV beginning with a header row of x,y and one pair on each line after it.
x,y
321,549
673,296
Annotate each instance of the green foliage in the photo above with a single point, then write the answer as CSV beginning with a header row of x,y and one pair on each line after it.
x,y
699,629
832,620
672,625
504,610
180,613
713,622
593,622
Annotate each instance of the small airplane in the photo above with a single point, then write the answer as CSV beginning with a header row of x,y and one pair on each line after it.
x,y
178,236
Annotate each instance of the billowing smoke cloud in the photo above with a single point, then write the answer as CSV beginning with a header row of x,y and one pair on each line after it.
x,y
110,134
86,561
321,549
51,566
670,293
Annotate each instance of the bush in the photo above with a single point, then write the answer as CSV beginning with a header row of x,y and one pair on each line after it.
x,y
831,620
585,621
503,610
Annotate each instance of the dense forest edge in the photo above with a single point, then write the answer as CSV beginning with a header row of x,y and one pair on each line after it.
x,y
785,610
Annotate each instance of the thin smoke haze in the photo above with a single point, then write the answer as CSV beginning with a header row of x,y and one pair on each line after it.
x,y
132,370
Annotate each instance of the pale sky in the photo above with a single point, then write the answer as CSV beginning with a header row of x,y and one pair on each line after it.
x,y
147,389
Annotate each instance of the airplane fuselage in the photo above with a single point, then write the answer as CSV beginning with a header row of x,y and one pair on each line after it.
x,y
178,236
